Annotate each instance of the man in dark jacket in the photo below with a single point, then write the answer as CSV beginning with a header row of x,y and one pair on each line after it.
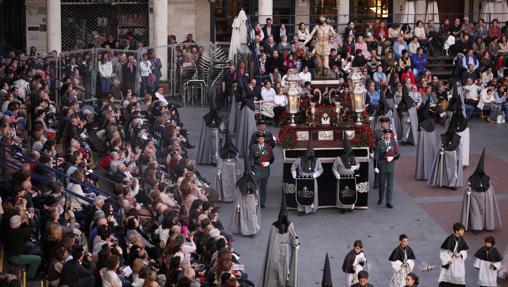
x,y
74,274
129,74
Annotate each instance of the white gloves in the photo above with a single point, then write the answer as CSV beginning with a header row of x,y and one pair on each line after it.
x,y
376,170
293,174
315,175
408,120
218,173
389,158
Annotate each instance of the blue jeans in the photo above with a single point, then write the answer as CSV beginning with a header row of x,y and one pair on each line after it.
x,y
105,84
469,110
504,107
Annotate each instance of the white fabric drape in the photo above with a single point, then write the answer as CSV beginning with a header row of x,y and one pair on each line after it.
x,y
238,43
408,16
432,12
494,9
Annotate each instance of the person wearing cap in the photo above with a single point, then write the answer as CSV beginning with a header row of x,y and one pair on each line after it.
x,y
453,256
261,157
480,210
261,128
20,229
386,153
488,262
384,123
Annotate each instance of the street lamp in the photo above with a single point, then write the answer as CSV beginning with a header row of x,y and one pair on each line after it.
x,y
359,91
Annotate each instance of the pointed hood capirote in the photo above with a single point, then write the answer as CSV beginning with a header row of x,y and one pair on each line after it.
x,y
479,180
212,118
458,121
450,140
327,274
308,160
247,184
425,121
347,157
282,222
229,150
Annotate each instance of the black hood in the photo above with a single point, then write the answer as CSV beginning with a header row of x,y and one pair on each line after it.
x,y
479,180
247,184
450,140
347,157
406,101
282,222
425,121
228,150
308,160
327,274
458,120
212,118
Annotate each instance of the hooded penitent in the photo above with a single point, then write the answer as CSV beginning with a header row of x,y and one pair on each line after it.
x,y
327,274
229,150
348,157
450,140
247,184
479,180
308,160
458,120
382,109
425,121
212,118
282,222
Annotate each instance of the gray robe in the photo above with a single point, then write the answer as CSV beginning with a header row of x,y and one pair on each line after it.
x,y
397,127
426,151
318,170
208,148
410,130
447,169
234,117
247,128
229,169
339,170
482,211
280,263
246,216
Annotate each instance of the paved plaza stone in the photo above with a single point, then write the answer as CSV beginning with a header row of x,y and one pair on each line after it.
x,y
424,213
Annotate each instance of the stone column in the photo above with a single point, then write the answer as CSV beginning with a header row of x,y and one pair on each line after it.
x,y
160,33
343,17
265,10
54,25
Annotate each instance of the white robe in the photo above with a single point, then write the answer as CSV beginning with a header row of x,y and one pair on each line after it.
x,y
464,143
486,276
456,272
399,273
352,278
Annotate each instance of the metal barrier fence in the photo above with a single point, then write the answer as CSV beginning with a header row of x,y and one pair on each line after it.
x,y
192,71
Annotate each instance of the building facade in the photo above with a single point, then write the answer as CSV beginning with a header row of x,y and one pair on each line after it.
x,y
69,24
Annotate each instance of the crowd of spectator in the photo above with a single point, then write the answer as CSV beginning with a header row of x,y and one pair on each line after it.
x,y
393,56
102,192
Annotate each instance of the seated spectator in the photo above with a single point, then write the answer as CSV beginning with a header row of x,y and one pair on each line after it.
x,y
489,101
470,73
305,75
372,97
481,30
302,33
74,273
394,32
413,45
479,46
361,45
379,76
398,47
267,92
418,62
274,62
494,30
407,74
20,229
493,46
359,60
405,61
270,46
420,33
406,32
468,28
471,96
280,103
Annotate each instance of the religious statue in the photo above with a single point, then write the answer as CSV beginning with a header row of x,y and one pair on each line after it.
x,y
324,33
